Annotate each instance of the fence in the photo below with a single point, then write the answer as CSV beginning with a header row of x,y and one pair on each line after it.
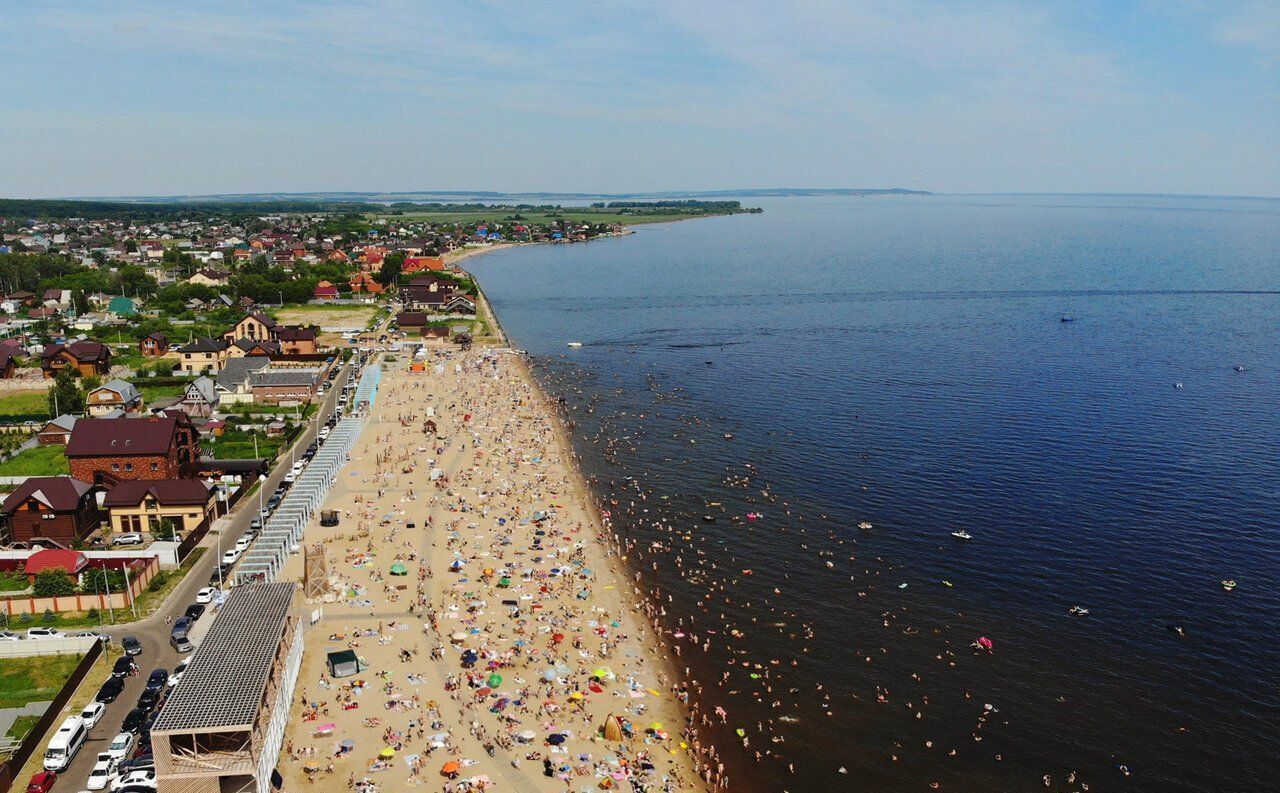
x,y
34,738
29,647
139,577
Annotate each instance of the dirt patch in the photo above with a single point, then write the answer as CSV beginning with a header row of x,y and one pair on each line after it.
x,y
329,318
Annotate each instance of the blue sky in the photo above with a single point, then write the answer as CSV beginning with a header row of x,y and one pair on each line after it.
x,y
129,98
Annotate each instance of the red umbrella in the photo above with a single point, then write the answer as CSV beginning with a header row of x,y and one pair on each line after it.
x,y
557,637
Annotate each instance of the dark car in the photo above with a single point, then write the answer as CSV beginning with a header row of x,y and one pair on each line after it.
x,y
215,580
140,763
148,700
133,720
158,679
194,611
274,501
131,645
181,626
110,690
124,667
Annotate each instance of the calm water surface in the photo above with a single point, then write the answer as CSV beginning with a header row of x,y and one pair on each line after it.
x,y
902,361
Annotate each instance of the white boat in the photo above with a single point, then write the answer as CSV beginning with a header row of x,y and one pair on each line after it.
x,y
575,344
1078,611
864,525
962,534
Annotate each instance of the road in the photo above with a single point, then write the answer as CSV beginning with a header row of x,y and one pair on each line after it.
x,y
153,632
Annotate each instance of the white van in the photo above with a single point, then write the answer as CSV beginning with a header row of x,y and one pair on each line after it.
x,y
65,743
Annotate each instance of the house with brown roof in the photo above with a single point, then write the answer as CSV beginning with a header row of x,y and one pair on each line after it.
x,y
58,508
83,358
117,449
8,363
144,504
154,345
255,326
57,431
297,341
242,348
203,355
326,291
210,277
363,283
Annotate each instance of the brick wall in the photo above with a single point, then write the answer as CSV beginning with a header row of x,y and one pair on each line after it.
x,y
87,468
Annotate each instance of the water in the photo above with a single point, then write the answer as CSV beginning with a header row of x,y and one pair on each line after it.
x,y
902,361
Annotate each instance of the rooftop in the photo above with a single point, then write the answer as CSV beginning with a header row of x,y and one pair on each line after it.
x,y
225,681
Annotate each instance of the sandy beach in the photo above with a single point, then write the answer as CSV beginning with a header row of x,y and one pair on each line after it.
x,y
498,628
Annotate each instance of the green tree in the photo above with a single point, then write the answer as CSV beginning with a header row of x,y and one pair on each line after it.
x,y
79,302
53,583
65,396
166,530
392,266
131,246
97,580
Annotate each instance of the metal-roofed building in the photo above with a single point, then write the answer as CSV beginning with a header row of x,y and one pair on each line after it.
x,y
221,729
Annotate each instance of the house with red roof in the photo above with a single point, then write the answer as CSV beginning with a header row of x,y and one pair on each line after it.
x,y
72,562
326,291
63,509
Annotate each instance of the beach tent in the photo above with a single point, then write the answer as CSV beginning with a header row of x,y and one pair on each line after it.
x,y
612,728
344,663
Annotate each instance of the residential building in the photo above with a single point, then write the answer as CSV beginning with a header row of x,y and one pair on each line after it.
x,y
111,450
84,358
57,431
154,345
58,508
8,363
283,386
297,341
210,277
222,726
113,395
144,504
200,399
326,291
203,355
241,348
255,326
73,563
232,383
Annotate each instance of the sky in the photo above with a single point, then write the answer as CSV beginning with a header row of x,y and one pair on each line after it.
x,y
160,98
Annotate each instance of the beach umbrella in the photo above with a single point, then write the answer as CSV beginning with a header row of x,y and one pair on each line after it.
x,y
484,692
495,680
557,637
549,675
450,767
399,569
527,735
347,743
387,752
555,739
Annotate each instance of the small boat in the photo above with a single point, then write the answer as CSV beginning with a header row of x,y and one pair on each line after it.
x,y
575,344
728,436
1229,584
962,534
1078,611
1178,384
708,519
1239,367
864,525
1066,318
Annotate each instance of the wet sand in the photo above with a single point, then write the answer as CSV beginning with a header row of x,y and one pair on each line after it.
x,y
504,561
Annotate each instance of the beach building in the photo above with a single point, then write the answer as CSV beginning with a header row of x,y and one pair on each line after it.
x,y
221,729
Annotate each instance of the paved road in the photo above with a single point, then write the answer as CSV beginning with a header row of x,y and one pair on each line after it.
x,y
153,632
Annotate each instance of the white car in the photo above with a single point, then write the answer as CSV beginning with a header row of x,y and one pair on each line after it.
x,y
324,431
231,557
128,538
122,745
92,714
142,778
243,544
176,675
10,636
206,595
44,633
103,773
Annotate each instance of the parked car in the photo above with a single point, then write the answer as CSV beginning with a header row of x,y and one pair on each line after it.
x,y
10,636
145,778
133,720
42,782
194,611
104,771
99,635
110,690
148,700
181,643
131,645
128,538
274,501
92,714
206,595
231,556
124,667
138,763
176,675
45,633
157,679
122,745
243,544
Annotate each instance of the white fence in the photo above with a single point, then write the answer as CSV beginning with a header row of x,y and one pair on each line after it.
x,y
25,648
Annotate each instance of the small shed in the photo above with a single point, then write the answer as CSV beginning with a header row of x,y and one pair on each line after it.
x,y
344,663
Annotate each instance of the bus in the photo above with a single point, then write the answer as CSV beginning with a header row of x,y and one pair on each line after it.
x,y
65,743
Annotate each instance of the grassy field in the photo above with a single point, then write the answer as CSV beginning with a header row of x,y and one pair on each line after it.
x,y
13,582
34,679
150,393
83,695
543,217
24,402
21,726
40,461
